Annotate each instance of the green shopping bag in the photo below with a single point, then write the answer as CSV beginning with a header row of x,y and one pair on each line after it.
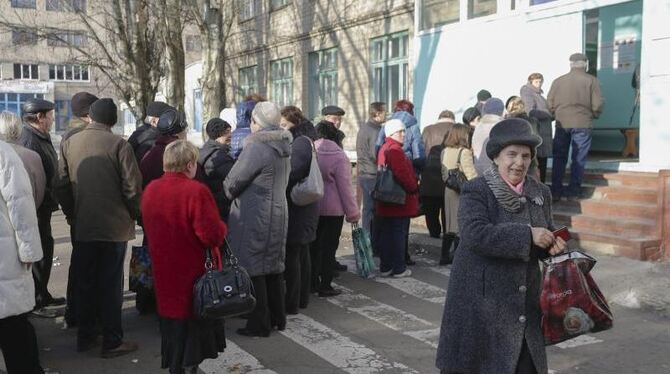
x,y
365,264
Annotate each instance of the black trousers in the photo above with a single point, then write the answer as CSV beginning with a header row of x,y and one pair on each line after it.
x,y
18,343
525,364
99,274
269,310
433,208
71,307
323,250
297,274
42,268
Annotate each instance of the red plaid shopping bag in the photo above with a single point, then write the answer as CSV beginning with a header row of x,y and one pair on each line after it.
x,y
571,302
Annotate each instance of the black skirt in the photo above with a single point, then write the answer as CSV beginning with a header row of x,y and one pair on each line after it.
x,y
186,343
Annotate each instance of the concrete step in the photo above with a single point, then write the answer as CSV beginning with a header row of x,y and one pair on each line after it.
x,y
630,179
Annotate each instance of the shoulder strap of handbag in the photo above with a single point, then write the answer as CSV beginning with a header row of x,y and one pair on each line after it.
x,y
458,162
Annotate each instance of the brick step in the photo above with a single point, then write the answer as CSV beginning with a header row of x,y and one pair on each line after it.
x,y
642,248
608,178
625,194
625,210
629,227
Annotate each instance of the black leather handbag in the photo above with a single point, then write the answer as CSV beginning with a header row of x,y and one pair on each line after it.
x,y
223,293
455,177
387,190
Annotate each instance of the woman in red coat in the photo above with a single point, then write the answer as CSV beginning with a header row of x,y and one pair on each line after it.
x,y
393,219
181,220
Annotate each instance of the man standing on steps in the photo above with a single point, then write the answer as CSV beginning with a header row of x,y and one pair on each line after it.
x,y
38,117
574,100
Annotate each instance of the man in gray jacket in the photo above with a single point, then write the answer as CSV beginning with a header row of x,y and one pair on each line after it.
x,y
574,100
367,159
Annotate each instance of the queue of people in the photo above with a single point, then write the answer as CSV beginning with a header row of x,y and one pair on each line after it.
x,y
236,192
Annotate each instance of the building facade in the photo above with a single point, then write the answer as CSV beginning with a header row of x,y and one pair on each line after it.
x,y
313,53
45,67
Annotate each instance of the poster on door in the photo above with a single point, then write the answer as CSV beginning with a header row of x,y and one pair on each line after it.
x,y
620,55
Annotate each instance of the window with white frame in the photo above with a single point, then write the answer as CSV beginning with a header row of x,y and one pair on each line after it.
x,y
70,73
26,71
66,39
538,2
276,4
390,68
481,8
435,13
66,5
322,80
247,9
28,4
281,80
248,82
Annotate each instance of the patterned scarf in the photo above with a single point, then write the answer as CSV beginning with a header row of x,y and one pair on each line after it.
x,y
507,198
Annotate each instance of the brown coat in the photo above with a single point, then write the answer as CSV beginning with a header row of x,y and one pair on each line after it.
x,y
434,134
99,185
575,100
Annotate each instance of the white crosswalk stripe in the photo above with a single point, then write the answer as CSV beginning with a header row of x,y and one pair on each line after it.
x,y
234,360
388,316
409,285
338,349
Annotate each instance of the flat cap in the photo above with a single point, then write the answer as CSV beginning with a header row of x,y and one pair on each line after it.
x,y
578,57
332,110
157,108
37,106
81,103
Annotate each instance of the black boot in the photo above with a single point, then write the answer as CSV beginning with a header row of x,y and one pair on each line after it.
x,y
447,239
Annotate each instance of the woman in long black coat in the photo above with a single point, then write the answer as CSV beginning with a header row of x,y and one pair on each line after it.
x,y
491,321
302,220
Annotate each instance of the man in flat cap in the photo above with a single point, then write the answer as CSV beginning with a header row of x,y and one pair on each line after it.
x,y
145,136
574,100
80,105
38,118
333,114
101,186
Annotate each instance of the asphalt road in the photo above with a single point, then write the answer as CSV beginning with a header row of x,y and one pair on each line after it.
x,y
377,326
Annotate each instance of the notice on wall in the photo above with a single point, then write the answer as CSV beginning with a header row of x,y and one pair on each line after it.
x,y
624,56
605,56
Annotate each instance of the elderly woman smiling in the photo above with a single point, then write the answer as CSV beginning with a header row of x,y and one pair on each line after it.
x,y
491,321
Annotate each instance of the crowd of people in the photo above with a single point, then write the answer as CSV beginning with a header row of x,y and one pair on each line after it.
x,y
236,191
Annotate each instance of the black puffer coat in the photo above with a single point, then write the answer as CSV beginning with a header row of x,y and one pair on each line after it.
x,y
302,220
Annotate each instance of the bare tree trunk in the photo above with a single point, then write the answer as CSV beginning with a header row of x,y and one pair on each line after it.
x,y
174,53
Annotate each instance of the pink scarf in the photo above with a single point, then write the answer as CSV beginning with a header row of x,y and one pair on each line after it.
x,y
518,188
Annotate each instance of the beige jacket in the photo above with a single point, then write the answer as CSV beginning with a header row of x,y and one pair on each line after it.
x,y
575,100
450,160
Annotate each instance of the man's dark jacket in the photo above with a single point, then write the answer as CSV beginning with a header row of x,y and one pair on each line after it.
x,y
40,142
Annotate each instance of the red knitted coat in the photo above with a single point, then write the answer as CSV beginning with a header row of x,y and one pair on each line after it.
x,y
391,154
181,220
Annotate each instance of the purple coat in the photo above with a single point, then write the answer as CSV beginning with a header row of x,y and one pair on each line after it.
x,y
338,194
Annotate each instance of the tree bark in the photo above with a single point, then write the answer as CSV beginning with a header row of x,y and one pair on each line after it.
x,y
174,53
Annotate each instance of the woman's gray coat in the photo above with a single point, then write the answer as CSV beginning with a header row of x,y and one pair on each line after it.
x,y
258,219
493,300
536,107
